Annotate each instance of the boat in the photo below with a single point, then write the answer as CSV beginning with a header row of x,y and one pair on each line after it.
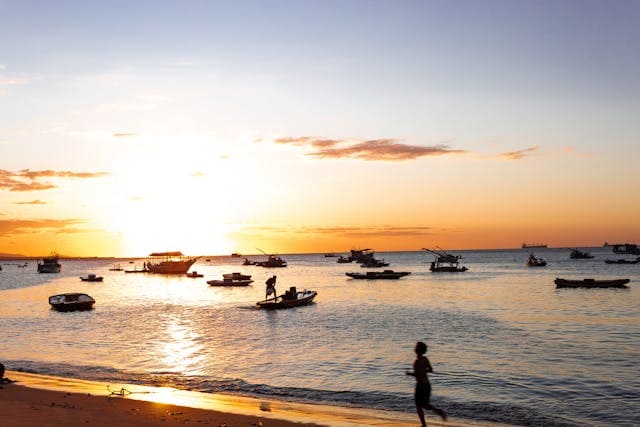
x,y
622,261
291,298
330,255
376,275
236,276
71,302
235,255
534,245
272,262
626,248
49,264
532,261
91,278
230,282
344,260
194,274
169,263
247,261
578,254
137,270
445,262
116,267
374,263
591,283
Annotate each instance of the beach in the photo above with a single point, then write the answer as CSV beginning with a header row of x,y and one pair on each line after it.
x,y
41,400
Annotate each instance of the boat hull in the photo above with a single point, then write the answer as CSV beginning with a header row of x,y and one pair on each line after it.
x,y
591,283
171,267
301,299
229,282
71,302
378,275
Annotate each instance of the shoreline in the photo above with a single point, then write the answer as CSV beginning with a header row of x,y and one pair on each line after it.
x,y
37,400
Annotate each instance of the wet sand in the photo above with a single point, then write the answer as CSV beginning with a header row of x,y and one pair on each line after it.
x,y
39,400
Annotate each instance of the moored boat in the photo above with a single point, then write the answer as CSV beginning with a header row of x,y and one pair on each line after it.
x,y
71,302
626,248
578,254
591,283
622,261
291,298
272,262
49,264
194,274
445,262
230,282
169,263
236,276
376,275
532,261
91,278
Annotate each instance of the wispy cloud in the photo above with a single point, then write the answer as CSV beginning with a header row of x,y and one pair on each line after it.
x,y
13,81
125,135
384,149
198,174
345,232
22,226
28,180
518,155
32,202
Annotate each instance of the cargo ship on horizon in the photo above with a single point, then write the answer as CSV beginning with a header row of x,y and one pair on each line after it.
x,y
534,245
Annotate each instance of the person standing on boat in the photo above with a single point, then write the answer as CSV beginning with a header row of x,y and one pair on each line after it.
x,y
422,396
271,287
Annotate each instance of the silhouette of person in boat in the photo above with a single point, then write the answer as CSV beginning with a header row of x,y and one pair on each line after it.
x,y
271,287
422,395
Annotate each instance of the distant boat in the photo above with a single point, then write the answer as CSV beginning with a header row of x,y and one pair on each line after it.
x,y
330,255
622,261
445,262
91,278
626,248
291,298
374,263
71,302
169,263
532,261
247,261
230,282
236,276
591,283
49,264
343,260
272,262
378,275
116,267
578,254
194,274
534,245
236,255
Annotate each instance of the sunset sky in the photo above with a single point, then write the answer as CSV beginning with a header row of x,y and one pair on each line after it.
x,y
209,127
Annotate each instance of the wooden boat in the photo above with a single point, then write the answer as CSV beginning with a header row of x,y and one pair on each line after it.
x,y
247,261
578,254
591,283
91,278
230,282
532,261
194,274
49,264
236,276
343,260
291,298
235,255
622,261
376,275
445,262
169,263
71,302
374,263
626,248
272,262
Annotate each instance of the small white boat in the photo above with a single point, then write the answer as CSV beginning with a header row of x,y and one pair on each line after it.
x,y
71,302
229,282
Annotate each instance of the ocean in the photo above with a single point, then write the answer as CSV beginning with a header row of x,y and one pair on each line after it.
x,y
505,344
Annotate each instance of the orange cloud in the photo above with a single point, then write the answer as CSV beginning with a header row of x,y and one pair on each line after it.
x,y
33,202
518,155
124,135
27,180
20,226
384,149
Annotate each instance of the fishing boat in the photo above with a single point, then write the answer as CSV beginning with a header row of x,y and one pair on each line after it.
x,y
169,263
374,263
445,262
236,276
247,261
194,274
235,255
91,278
578,254
230,282
71,302
532,261
116,267
626,248
343,260
137,270
591,283
49,264
291,298
272,261
330,255
377,275
622,261
534,245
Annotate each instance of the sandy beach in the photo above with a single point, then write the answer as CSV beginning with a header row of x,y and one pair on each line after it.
x,y
39,400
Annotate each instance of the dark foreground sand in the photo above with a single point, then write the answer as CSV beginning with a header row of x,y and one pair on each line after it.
x,y
38,400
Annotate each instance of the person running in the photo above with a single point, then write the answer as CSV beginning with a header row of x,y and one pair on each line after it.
x,y
271,287
422,396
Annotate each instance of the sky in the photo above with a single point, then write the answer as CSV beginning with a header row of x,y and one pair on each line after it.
x,y
212,127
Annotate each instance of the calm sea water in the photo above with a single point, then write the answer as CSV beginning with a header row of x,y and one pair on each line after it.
x,y
505,344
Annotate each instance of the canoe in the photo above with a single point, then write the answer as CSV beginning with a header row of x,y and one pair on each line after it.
x,y
71,302
374,275
292,298
591,283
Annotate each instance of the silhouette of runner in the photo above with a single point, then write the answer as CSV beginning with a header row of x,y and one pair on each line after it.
x,y
421,367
